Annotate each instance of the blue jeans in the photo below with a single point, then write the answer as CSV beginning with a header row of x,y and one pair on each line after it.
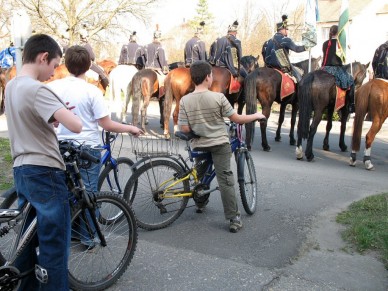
x,y
90,175
45,188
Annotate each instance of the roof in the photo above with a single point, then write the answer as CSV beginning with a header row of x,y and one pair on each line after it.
x,y
329,10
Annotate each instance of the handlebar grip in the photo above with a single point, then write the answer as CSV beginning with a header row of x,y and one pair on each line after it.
x,y
86,156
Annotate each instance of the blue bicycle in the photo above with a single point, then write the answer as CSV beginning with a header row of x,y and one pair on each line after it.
x,y
165,183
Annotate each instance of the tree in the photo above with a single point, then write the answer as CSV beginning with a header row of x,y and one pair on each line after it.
x,y
102,19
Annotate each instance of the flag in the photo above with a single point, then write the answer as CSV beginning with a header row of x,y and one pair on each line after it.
x,y
341,38
312,13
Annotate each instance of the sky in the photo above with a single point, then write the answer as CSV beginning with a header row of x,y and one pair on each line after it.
x,y
171,13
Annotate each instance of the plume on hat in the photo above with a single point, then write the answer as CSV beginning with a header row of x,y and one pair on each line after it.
x,y
233,27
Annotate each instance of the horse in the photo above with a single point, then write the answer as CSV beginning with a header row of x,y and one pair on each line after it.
x,y
317,91
178,83
119,80
371,98
107,65
263,85
5,76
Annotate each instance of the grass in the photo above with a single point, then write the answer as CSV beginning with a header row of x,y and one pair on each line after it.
x,y
366,224
6,174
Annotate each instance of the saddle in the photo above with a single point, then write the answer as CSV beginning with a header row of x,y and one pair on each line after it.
x,y
340,98
287,86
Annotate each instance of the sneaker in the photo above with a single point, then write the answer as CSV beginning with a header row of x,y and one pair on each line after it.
x,y
235,224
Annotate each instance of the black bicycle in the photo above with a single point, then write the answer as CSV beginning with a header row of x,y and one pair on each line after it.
x,y
103,234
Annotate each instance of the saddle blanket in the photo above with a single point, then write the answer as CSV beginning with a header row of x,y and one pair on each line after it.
x,y
234,85
340,98
287,86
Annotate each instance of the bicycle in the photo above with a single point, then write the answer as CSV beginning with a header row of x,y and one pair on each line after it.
x,y
104,219
116,172
166,182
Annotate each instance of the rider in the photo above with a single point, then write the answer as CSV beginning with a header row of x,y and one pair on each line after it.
x,y
380,61
226,51
7,57
332,64
195,49
84,42
154,55
39,170
277,49
131,53
203,112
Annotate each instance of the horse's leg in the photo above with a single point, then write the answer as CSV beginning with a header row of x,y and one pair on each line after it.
x,y
175,116
241,101
263,128
370,136
313,130
161,110
329,125
295,108
344,119
283,106
146,102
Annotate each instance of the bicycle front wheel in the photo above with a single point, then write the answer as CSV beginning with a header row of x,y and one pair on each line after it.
x,y
114,178
247,181
8,237
93,266
157,202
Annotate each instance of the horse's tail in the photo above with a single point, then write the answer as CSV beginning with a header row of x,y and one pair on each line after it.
x,y
251,104
136,90
305,104
128,97
168,99
362,102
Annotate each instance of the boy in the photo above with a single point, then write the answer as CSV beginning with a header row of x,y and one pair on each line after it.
x,y
203,112
31,110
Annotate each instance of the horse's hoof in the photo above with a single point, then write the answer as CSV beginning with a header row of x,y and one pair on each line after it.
x,y
344,149
368,165
278,138
299,153
292,142
326,147
310,158
249,148
267,148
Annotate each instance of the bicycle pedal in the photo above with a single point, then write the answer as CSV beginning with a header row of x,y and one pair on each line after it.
x,y
41,274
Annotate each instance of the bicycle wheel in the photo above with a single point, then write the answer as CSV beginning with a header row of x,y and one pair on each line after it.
x,y
247,181
94,266
152,210
8,237
114,179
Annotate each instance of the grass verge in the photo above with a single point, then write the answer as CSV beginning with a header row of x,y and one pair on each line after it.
x,y
6,174
367,225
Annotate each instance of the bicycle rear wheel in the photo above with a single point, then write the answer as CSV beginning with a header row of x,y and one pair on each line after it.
x,y
93,266
153,211
247,181
8,237
114,179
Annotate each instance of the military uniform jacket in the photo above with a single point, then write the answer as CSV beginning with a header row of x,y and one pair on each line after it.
x,y
130,54
155,57
280,41
380,61
194,51
227,53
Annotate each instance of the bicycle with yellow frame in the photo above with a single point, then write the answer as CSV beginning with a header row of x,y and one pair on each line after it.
x,y
166,183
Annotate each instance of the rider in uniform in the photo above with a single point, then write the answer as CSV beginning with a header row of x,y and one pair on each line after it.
x,y
226,51
277,50
84,42
332,64
195,49
380,62
131,53
154,55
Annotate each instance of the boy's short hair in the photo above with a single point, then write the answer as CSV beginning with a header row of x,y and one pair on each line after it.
x,y
77,60
199,70
40,43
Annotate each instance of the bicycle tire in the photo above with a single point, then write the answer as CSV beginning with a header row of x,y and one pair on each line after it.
x,y
107,181
152,212
10,197
247,181
97,267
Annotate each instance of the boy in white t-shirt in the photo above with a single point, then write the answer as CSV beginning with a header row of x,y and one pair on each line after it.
x,y
89,105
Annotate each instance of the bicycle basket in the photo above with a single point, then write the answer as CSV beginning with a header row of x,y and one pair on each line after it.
x,y
154,146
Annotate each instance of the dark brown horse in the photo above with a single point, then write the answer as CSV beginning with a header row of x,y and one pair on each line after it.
x,y
263,85
5,76
316,92
372,99
178,83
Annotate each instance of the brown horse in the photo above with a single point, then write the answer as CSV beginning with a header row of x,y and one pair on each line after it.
x,y
263,85
107,65
178,83
316,92
5,76
371,98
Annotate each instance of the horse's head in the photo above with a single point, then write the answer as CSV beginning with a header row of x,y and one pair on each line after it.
x,y
358,71
304,65
249,63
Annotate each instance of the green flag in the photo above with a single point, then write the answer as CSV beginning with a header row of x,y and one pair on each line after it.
x,y
343,22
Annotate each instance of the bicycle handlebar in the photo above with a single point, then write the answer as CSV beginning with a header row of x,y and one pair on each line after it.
x,y
72,152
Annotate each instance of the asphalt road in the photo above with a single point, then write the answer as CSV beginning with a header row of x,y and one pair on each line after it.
x,y
291,243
